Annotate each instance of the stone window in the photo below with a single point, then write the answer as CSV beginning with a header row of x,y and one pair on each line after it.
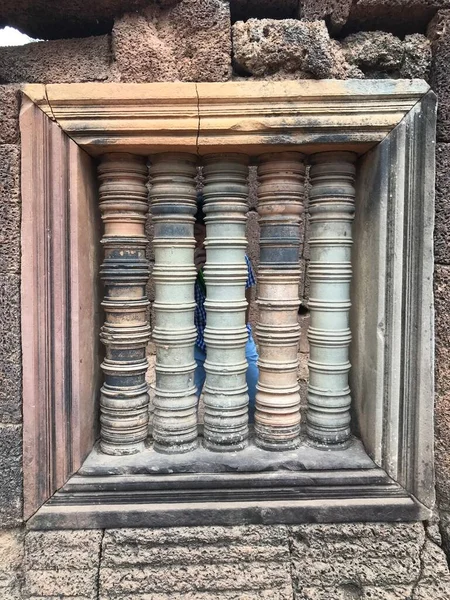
x,y
365,451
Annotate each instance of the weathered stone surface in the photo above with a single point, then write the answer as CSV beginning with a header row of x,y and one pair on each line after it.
x,y
298,48
62,564
439,34
61,583
11,475
61,61
335,12
381,54
9,237
442,406
54,550
11,557
189,41
417,57
9,173
442,204
10,350
9,114
189,561
357,554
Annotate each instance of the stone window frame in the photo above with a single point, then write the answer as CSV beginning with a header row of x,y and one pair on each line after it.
x,y
391,124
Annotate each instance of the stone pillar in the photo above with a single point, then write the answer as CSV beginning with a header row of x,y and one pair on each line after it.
x,y
331,208
125,333
173,206
280,203
225,390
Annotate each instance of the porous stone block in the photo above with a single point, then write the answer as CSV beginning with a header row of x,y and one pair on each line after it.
x,y
299,49
442,405
54,550
335,12
64,583
9,237
439,34
11,569
10,350
442,204
381,54
356,554
185,561
189,41
58,61
442,302
9,114
9,172
62,564
11,475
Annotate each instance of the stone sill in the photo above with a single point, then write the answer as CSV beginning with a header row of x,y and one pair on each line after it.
x,y
252,486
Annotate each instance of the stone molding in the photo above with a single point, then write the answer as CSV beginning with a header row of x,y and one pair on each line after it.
x,y
59,306
249,117
392,284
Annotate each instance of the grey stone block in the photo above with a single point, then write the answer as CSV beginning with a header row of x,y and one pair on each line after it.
x,y
439,34
381,54
57,61
442,203
10,475
11,557
190,562
63,583
268,46
9,114
54,550
357,554
10,350
180,579
9,173
9,237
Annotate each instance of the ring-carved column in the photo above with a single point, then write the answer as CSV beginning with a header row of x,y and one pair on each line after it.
x,y
225,391
173,206
280,203
331,208
125,333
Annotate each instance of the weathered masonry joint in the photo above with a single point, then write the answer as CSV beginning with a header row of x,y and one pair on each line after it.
x,y
362,450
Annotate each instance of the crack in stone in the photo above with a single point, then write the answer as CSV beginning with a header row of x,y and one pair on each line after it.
x,y
291,559
445,540
100,557
415,584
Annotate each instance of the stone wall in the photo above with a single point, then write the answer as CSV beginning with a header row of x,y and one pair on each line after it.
x,y
217,40
307,562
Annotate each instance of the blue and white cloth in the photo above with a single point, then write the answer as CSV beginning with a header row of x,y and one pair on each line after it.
x,y
200,311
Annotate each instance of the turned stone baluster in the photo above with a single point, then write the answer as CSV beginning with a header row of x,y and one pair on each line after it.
x,y
280,204
173,202
125,333
331,207
225,390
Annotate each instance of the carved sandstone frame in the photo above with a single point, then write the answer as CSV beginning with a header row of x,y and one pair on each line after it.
x,y
390,124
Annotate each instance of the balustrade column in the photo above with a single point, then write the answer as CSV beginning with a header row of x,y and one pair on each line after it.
x,y
280,204
173,202
331,208
125,333
225,391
